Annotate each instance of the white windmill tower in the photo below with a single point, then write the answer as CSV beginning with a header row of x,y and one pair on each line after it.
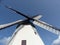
x,y
26,34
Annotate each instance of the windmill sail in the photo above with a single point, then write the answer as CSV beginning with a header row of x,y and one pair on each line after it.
x,y
37,17
9,24
26,36
47,27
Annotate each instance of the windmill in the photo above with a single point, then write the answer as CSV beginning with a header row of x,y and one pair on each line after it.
x,y
26,33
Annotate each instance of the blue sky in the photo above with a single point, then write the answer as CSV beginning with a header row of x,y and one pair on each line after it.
x,y
49,9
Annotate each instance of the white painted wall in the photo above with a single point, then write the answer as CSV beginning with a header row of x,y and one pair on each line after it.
x,y
27,33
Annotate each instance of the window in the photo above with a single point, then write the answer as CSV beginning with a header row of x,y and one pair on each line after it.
x,y
23,42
